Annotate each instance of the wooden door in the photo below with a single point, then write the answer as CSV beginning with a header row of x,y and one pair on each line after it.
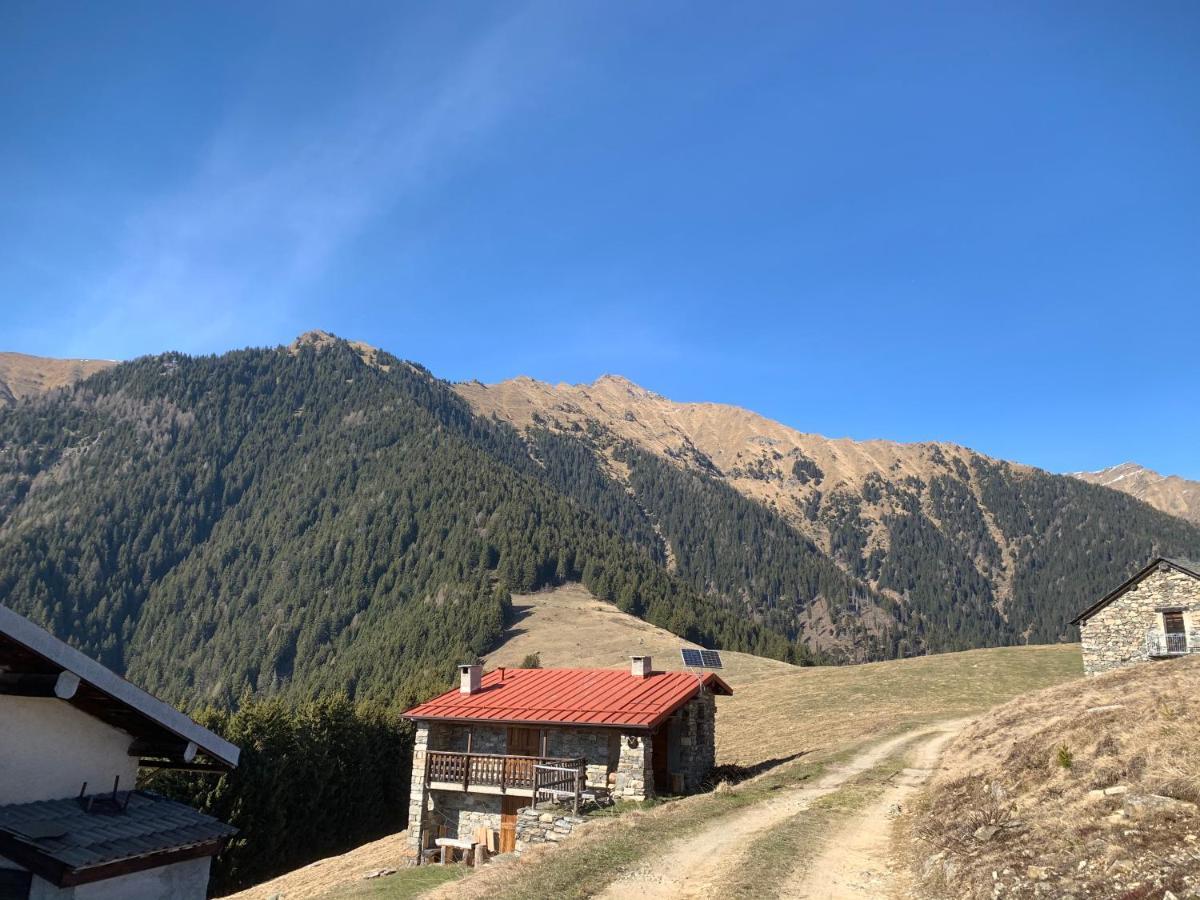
x,y
508,822
522,742
660,758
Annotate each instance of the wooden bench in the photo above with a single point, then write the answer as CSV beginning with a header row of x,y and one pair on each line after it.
x,y
449,845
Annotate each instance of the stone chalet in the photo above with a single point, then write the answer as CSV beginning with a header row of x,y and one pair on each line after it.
x,y
73,825
1153,615
501,741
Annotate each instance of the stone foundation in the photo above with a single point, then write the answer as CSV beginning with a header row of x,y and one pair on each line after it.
x,y
546,822
466,812
1115,636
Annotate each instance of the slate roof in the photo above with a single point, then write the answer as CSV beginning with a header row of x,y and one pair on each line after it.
x,y
1186,566
65,843
604,697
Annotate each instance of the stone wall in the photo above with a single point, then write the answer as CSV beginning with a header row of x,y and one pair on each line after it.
x,y
1115,636
598,747
635,769
484,738
698,741
544,822
464,812
417,793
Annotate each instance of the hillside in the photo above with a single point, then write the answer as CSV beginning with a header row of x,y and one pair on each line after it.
x,y
23,376
786,721
1085,789
778,709
939,547
1168,493
305,520
326,517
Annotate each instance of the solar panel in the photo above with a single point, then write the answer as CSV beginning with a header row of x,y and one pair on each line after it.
x,y
695,658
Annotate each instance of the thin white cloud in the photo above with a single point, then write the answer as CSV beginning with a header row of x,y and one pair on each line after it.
x,y
265,213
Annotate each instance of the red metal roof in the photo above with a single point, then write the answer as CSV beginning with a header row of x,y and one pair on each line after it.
x,y
608,697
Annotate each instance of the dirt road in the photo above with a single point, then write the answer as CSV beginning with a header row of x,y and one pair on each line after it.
x,y
690,867
854,864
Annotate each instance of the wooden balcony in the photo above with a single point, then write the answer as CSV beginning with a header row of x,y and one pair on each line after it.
x,y
490,773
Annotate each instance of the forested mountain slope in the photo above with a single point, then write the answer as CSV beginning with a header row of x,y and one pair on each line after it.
x,y
958,548
304,520
328,517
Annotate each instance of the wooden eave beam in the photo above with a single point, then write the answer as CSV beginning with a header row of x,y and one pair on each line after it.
x,y
30,684
183,751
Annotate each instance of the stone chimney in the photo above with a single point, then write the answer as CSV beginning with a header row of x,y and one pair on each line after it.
x,y
641,667
469,678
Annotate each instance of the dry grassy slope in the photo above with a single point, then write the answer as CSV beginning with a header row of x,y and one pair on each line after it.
x,y
778,709
24,376
754,454
1168,493
1045,761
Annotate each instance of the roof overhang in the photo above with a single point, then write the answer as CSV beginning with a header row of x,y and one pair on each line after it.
x,y
62,875
34,662
1179,565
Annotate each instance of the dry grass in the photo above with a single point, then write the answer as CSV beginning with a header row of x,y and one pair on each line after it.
x,y
26,376
333,873
600,853
778,710
1031,766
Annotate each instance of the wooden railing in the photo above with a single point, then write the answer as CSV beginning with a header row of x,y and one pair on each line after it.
x,y
491,769
559,783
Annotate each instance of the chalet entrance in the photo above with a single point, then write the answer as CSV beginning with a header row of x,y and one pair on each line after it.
x,y
508,822
525,745
660,758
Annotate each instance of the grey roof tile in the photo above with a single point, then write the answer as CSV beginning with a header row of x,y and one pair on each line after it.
x,y
65,831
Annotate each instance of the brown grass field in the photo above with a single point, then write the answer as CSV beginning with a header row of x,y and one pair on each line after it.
x,y
1043,761
777,709
800,718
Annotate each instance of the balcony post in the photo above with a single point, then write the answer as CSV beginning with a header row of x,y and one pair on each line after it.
x,y
466,771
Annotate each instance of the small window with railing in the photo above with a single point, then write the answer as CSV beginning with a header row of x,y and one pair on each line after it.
x,y
1172,640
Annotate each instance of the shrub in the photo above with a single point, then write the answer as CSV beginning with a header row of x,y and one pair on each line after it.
x,y
1065,757
531,661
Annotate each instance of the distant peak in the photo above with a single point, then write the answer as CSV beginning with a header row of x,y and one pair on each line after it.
x,y
319,340
314,338
621,383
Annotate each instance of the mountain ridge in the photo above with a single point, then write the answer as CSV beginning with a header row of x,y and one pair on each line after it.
x,y
857,500
324,516
1172,494
23,376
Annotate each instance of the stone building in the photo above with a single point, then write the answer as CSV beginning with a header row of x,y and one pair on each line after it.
x,y
1153,615
490,748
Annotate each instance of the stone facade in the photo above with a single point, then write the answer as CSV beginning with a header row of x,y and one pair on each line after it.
x,y
1122,632
466,812
544,822
418,795
628,771
697,741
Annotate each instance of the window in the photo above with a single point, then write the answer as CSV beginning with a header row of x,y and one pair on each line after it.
x,y
1173,622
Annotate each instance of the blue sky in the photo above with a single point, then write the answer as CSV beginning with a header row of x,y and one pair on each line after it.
x,y
956,221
